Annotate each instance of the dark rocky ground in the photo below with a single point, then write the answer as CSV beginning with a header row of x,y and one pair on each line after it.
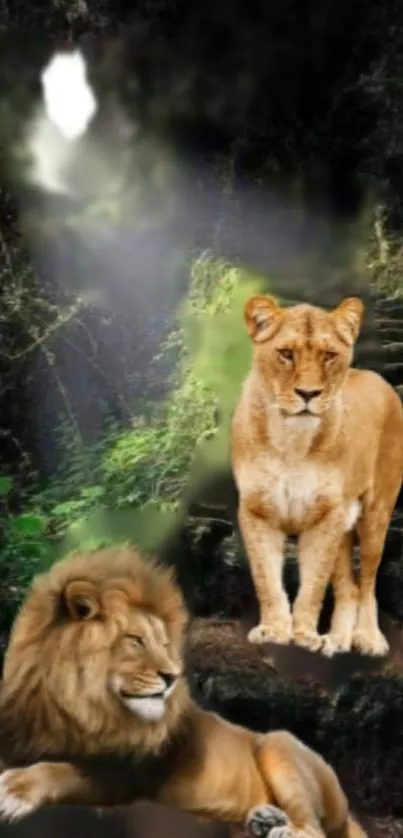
x,y
350,708
148,821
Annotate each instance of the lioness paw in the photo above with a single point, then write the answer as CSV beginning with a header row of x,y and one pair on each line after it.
x,y
370,643
333,644
277,631
268,820
16,801
308,640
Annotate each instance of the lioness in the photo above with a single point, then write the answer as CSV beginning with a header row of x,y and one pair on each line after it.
x,y
94,688
317,452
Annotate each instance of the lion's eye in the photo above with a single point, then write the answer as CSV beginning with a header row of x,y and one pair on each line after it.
x,y
286,354
135,639
330,356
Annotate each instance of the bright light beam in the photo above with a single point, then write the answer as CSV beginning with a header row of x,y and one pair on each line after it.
x,y
69,101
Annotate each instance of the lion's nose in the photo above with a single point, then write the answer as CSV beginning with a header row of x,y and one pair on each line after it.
x,y
307,395
168,677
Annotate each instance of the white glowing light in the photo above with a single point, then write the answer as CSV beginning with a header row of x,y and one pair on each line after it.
x,y
69,101
51,155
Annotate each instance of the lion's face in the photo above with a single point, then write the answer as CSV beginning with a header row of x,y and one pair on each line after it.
x,y
302,353
144,666
126,656
99,639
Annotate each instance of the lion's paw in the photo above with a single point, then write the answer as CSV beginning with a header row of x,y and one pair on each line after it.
x,y
267,820
15,800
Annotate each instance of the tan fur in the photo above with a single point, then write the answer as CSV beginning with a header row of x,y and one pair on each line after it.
x,y
57,705
323,466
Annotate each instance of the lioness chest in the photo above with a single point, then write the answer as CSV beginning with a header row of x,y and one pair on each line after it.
x,y
297,494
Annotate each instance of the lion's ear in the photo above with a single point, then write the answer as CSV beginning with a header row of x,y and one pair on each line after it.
x,y
348,318
82,600
262,317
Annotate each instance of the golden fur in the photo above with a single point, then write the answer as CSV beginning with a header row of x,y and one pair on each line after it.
x,y
74,635
95,628
317,452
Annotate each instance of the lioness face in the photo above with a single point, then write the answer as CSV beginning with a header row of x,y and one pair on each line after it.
x,y
144,667
302,354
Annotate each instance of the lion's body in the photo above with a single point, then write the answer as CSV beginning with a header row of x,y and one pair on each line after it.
x,y
317,452
79,709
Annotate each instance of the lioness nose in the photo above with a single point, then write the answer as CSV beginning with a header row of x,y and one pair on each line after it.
x,y
307,395
168,677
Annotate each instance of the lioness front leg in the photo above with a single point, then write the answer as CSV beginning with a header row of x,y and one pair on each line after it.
x,y
372,530
265,550
318,551
345,592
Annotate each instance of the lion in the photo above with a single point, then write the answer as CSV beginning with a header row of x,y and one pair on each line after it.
x,y
317,452
95,709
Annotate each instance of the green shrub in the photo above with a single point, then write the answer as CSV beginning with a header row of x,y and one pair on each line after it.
x,y
145,467
24,547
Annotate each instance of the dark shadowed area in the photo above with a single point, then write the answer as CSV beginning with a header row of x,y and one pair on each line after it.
x,y
255,138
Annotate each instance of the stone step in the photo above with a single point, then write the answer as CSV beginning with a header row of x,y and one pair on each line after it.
x,y
393,351
385,320
390,333
393,372
389,305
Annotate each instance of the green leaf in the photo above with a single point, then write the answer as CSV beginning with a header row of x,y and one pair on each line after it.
x,y
6,484
30,524
92,492
68,507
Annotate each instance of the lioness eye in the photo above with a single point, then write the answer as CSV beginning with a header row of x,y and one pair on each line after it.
x,y
136,639
287,354
330,356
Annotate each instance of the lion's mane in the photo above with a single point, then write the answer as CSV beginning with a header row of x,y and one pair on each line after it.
x,y
34,719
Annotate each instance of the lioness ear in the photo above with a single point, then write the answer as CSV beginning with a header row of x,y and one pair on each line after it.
x,y
262,317
82,600
348,318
